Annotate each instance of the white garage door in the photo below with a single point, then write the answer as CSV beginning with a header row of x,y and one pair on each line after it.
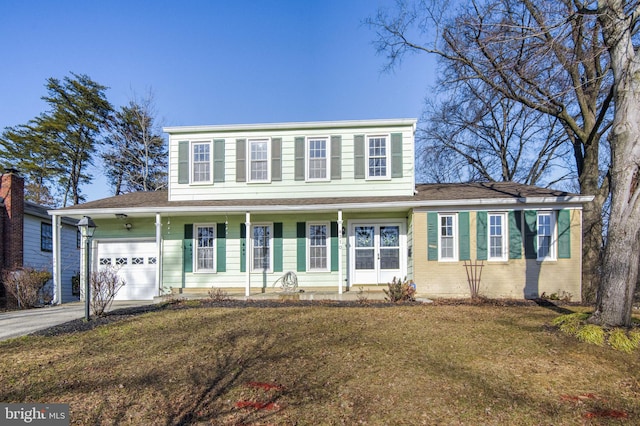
x,y
136,262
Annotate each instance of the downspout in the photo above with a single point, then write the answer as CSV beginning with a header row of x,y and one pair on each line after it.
x,y
56,258
158,254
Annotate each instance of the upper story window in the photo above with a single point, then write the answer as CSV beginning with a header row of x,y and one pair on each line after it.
x,y
497,236
546,232
317,158
447,236
378,157
259,155
205,256
201,162
46,237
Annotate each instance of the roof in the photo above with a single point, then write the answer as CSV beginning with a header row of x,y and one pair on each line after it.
x,y
426,196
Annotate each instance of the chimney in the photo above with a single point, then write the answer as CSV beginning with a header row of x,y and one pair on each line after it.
x,y
12,222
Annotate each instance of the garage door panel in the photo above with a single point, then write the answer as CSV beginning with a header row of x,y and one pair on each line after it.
x,y
135,262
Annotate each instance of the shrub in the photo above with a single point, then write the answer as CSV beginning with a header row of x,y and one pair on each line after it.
x,y
28,286
619,340
105,284
218,295
570,323
591,333
400,291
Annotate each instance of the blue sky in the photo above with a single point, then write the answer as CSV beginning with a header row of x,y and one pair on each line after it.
x,y
209,62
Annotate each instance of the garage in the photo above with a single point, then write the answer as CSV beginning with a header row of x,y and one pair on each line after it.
x,y
136,263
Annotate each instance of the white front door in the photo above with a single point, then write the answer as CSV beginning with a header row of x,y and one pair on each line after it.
x,y
377,251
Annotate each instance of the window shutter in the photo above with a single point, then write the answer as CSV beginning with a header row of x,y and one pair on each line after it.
x,y
221,247
564,234
334,246
276,159
481,235
396,155
336,157
358,157
432,236
515,235
530,234
218,160
277,247
243,247
241,160
187,244
183,162
464,241
299,158
301,241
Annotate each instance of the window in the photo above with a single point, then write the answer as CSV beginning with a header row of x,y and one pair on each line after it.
x,y
377,157
318,247
261,247
317,158
259,160
447,237
497,236
46,237
201,162
205,248
546,230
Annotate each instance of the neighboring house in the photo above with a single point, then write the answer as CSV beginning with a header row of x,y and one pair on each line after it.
x,y
26,237
337,203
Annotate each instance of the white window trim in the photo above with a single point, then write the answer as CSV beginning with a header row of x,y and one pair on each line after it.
x,y
307,159
554,239
195,248
387,138
455,237
249,142
328,268
253,268
505,237
191,161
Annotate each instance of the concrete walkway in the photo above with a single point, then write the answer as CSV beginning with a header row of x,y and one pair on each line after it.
x,y
20,323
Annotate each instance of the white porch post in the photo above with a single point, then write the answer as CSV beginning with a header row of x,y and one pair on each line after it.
x,y
340,252
247,247
57,268
158,254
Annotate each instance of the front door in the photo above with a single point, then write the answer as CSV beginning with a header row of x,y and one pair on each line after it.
x,y
377,253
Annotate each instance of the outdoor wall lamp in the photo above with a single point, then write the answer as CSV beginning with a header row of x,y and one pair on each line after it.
x,y
87,227
128,226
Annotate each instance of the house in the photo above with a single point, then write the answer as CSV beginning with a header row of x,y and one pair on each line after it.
x,y
336,203
26,238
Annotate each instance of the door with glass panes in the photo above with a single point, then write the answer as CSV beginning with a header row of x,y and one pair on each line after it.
x,y
377,252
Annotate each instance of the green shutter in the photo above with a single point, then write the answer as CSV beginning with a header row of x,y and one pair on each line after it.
x,y
465,237
299,158
481,235
432,236
218,160
183,162
334,246
243,247
564,234
396,155
336,157
531,234
277,247
241,160
515,235
301,245
187,244
221,247
358,157
276,159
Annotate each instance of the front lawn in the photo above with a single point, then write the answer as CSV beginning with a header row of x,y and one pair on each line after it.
x,y
323,364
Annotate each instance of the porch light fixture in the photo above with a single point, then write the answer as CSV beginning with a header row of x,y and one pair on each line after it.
x,y
87,227
128,226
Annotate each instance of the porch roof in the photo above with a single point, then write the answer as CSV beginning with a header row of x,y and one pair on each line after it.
x,y
426,196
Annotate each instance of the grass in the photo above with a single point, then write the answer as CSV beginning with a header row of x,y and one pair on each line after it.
x,y
417,364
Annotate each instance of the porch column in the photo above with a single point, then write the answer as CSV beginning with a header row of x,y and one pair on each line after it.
x,y
340,252
56,226
247,250
158,254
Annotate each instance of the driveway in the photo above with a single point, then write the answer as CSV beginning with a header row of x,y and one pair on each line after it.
x,y
20,323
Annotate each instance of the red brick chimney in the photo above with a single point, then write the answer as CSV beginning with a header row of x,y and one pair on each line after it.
x,y
12,221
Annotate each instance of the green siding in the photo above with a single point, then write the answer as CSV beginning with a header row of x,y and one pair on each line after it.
x,y
221,247
481,235
183,162
241,160
243,247
218,160
276,159
336,157
358,157
432,236
187,258
465,237
334,246
564,234
396,155
277,247
515,235
530,234
301,241
299,147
